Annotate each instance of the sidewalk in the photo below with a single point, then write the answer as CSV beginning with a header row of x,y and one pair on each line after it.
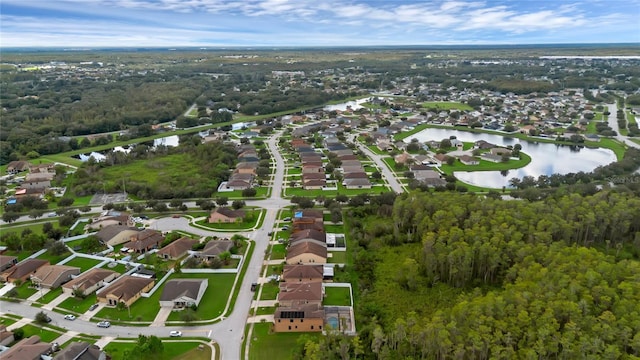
x,y
162,316
65,337
104,341
20,323
56,301
264,303
260,318
40,293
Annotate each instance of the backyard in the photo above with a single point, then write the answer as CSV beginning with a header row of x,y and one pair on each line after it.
x,y
172,350
215,297
337,296
266,345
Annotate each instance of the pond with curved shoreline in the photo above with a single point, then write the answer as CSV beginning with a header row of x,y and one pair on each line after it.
x,y
546,158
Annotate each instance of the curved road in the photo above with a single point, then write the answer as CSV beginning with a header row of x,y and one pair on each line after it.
x,y
612,120
228,333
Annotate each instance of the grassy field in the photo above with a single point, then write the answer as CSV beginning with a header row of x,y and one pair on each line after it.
x,y
266,345
172,350
446,105
337,257
338,296
45,335
48,297
35,226
54,259
77,305
278,251
269,291
214,299
631,119
83,263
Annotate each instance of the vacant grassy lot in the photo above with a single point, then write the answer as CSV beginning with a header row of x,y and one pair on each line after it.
x,y
269,291
77,305
215,297
339,296
278,251
45,335
171,350
266,345
83,263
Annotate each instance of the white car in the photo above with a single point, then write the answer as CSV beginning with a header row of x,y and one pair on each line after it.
x,y
175,333
104,324
69,317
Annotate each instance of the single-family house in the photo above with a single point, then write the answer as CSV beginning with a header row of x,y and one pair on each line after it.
x,y
357,183
6,336
7,261
89,281
177,248
127,289
226,215
384,144
303,273
30,348
491,157
15,167
319,237
308,318
109,218
81,350
52,276
23,270
313,184
116,234
42,168
469,160
182,293
299,294
500,151
306,252
38,181
214,248
145,240
306,215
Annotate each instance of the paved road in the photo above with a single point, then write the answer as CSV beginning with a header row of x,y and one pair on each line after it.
x,y
384,169
613,123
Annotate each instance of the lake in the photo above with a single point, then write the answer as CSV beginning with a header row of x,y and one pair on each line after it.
x,y
546,158
354,105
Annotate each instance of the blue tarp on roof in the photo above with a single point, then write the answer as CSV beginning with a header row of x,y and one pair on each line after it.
x,y
298,214
11,201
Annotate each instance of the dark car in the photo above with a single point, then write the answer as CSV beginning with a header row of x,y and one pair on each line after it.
x,y
93,307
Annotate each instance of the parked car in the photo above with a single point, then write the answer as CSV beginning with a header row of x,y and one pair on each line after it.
x,y
287,219
104,324
93,307
285,228
69,317
175,333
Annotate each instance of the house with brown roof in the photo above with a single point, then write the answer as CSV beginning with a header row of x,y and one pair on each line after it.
x,y
52,276
301,226
81,350
469,160
303,273
306,252
23,270
6,336
177,248
319,237
182,293
145,240
298,294
90,281
116,234
15,167
109,218
127,289
226,215
308,318
315,215
313,184
37,180
42,168
27,349
214,248
7,261
309,168
357,183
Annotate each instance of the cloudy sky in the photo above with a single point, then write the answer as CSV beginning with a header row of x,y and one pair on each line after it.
x,y
142,23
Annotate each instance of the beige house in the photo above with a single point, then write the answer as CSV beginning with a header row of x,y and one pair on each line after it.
x,y
27,349
90,281
23,270
226,215
126,289
306,253
309,318
303,273
181,293
177,249
116,234
52,276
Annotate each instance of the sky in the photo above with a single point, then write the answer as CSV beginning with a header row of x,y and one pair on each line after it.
x,y
273,23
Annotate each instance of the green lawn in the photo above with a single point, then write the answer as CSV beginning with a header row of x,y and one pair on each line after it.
x,y
214,299
35,226
45,335
24,291
77,305
119,268
269,291
265,310
337,296
83,263
331,193
446,105
171,349
54,259
278,251
337,229
48,297
266,345
7,321
631,119
21,255
337,257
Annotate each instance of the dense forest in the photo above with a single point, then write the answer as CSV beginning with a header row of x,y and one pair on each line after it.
x,y
459,276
